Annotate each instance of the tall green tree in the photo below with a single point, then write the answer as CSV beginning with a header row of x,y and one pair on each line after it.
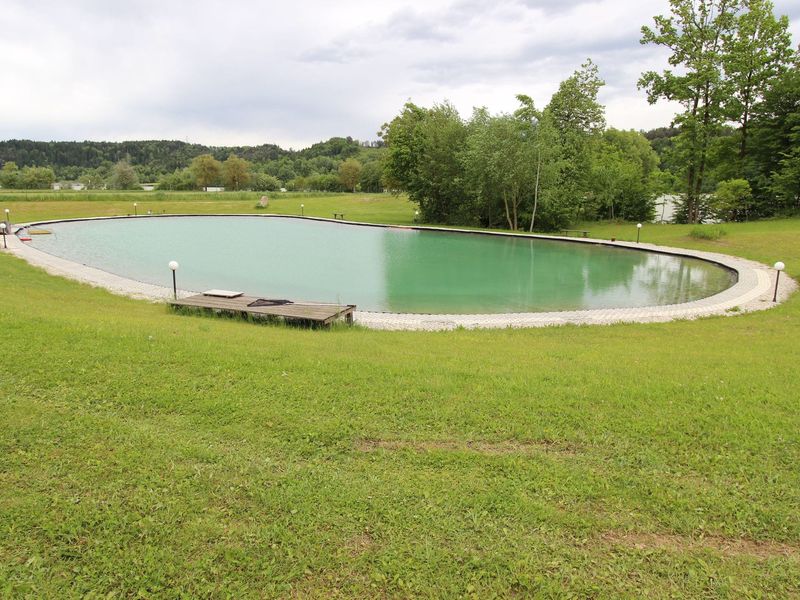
x,y
423,159
578,118
235,173
9,175
757,50
349,173
542,134
206,170
123,177
694,33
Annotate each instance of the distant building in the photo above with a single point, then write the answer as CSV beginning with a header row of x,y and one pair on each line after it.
x,y
666,207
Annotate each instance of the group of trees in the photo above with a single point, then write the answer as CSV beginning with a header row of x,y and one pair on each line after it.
x,y
732,152
28,178
738,85
533,168
331,165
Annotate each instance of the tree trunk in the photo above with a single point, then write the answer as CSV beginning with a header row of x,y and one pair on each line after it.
x,y
508,214
536,188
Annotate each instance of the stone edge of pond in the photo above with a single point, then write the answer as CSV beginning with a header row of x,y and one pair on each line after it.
x,y
752,291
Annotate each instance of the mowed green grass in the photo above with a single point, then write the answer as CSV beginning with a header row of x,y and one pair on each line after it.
x,y
37,206
144,453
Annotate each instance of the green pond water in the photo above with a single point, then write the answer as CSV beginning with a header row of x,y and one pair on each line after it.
x,y
380,268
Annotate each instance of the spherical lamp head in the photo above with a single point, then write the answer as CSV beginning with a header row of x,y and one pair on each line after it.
x,y
173,264
779,266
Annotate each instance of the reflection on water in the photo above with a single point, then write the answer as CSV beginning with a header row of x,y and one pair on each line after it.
x,y
385,269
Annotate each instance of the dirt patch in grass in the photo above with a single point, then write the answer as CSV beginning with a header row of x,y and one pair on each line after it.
x,y
730,547
480,447
359,543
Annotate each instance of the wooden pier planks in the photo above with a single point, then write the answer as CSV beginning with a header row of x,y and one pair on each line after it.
x,y
323,314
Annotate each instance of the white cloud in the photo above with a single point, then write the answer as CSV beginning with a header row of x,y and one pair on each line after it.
x,y
249,71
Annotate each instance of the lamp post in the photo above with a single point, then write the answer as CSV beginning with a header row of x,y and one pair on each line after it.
x,y
173,265
135,210
638,231
416,216
8,220
302,210
779,266
3,227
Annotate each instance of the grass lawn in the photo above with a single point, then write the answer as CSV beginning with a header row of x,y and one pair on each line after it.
x,y
144,453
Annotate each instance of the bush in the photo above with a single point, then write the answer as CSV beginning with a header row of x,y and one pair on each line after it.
x,y
707,232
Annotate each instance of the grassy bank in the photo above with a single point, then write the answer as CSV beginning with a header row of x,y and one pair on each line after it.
x,y
146,453
36,206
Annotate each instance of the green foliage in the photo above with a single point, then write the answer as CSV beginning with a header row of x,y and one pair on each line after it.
x,y
179,180
694,34
729,53
206,170
707,232
9,176
235,173
371,178
261,182
422,160
350,173
624,176
123,177
732,200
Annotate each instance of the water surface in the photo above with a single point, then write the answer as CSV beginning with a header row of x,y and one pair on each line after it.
x,y
382,269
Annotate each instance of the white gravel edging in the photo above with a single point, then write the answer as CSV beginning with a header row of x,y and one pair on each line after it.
x,y
753,290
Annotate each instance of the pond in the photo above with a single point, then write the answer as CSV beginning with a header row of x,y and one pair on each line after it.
x,y
385,269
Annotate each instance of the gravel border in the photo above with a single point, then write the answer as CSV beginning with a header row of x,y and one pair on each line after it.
x,y
753,290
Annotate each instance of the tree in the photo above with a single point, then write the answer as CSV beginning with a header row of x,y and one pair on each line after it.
x,y
235,173
547,149
731,202
694,33
578,119
371,178
206,170
349,173
754,52
178,180
123,177
36,178
261,182
775,149
92,179
624,176
9,175
423,159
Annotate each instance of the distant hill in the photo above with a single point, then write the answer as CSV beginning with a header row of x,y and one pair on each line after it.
x,y
158,157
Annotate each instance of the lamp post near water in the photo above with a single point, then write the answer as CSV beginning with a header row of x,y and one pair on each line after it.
x,y
638,231
135,211
173,265
302,210
779,266
3,227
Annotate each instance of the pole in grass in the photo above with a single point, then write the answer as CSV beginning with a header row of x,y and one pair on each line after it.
x,y
416,216
8,220
638,231
3,227
302,210
135,210
173,265
779,266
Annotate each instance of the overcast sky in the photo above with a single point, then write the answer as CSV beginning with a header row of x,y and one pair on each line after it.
x,y
242,72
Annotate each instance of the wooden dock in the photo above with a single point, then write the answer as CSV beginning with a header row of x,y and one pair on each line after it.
x,y
313,313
